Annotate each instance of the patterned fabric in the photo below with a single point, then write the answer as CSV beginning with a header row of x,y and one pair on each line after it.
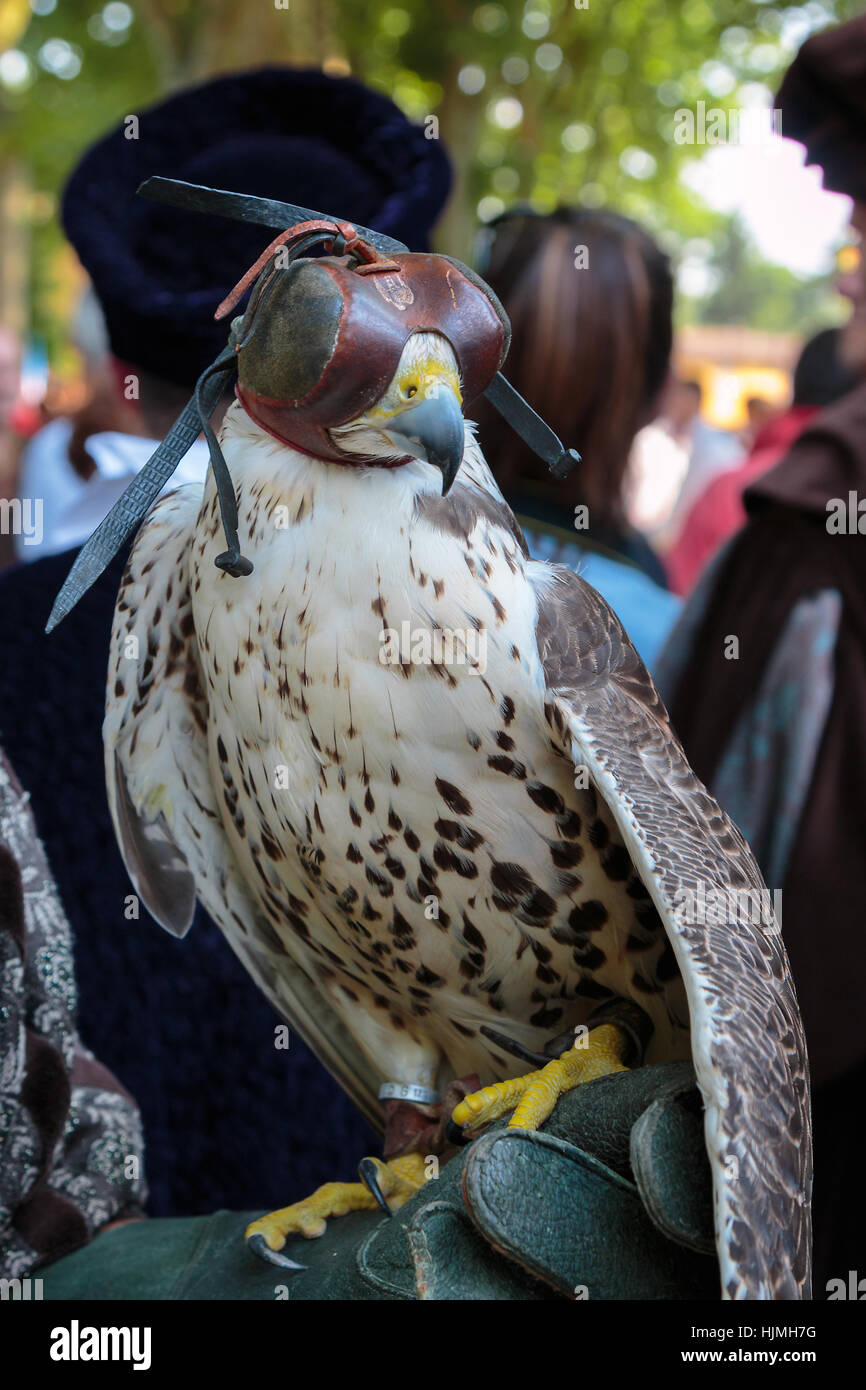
x,y
71,1148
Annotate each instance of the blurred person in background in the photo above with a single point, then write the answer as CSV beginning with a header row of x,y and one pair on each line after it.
x,y
78,464
711,452
590,297
659,497
820,378
659,460
10,380
181,1024
759,414
10,376
681,410
765,680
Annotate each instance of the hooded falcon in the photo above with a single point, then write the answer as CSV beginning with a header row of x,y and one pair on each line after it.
x,y
423,783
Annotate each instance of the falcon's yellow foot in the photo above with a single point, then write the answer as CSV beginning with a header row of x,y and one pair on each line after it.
x,y
533,1097
397,1181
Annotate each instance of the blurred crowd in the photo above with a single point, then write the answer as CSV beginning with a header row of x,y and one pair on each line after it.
x,y
730,559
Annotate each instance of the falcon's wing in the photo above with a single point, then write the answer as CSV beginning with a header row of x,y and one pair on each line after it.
x,y
748,1046
162,798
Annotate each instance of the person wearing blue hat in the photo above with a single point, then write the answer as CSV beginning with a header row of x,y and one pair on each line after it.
x,y
186,1032
159,273
323,142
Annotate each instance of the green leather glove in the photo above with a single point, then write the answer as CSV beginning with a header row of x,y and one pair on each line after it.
x,y
610,1200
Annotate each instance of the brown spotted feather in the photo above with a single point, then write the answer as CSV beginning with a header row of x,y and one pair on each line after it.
x,y
402,853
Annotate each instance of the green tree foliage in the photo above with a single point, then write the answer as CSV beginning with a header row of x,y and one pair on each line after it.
x,y
551,101
77,76
543,101
746,289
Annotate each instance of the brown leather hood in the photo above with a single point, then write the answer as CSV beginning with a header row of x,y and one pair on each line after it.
x,y
329,334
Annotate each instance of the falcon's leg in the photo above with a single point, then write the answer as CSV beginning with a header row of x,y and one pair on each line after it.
x,y
398,1180
412,1059
533,1097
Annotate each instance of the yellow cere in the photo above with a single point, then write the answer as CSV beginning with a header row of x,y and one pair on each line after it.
x,y
422,381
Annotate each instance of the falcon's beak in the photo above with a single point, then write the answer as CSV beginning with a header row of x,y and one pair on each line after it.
x,y
433,430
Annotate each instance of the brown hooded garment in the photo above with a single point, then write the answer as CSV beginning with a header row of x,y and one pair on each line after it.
x,y
785,555
783,727
782,558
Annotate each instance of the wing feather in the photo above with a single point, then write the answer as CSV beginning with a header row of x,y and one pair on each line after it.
x,y
747,1037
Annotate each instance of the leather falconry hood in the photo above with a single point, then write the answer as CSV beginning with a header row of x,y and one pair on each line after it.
x,y
318,344
332,331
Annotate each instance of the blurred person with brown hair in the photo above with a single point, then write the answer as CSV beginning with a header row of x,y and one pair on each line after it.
x,y
663,484
759,414
820,378
681,408
590,297
765,679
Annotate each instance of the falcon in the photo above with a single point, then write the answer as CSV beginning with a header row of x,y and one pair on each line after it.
x,y
422,782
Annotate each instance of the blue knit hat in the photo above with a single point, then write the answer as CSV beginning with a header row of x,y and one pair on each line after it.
x,y
327,143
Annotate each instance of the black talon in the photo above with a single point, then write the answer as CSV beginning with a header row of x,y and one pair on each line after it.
x,y
370,1178
455,1135
260,1247
516,1048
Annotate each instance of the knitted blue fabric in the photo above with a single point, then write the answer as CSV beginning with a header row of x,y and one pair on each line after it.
x,y
327,143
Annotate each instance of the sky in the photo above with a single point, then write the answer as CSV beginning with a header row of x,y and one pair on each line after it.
x,y
789,216
791,219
